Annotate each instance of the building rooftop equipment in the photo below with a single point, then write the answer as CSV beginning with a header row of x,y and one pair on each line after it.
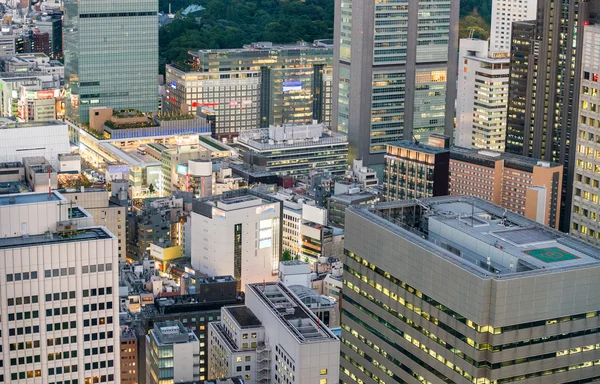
x,y
290,136
31,198
482,237
488,158
86,234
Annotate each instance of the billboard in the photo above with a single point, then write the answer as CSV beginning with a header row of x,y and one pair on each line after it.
x,y
290,86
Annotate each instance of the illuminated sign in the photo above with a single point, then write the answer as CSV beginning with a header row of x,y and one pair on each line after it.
x,y
233,103
173,84
218,213
290,86
265,209
182,169
44,94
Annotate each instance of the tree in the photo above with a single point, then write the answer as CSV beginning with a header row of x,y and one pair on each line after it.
x,y
286,256
151,188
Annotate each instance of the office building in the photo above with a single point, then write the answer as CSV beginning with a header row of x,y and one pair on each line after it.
x,y
544,87
295,150
274,338
504,13
60,302
457,290
111,56
129,355
171,352
43,138
7,41
584,212
413,171
109,209
338,203
395,72
52,24
259,85
237,233
482,96
524,185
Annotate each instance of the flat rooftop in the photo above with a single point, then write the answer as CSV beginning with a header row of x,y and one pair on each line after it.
x,y
243,316
417,146
87,234
297,318
290,137
32,124
488,158
130,156
31,198
482,237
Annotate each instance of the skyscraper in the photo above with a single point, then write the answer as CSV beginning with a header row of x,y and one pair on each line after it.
x,y
544,86
457,290
111,55
504,13
395,68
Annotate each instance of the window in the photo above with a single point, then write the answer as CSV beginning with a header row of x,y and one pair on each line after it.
x,y
323,371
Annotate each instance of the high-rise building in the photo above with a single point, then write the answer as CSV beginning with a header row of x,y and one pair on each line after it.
x,y
237,233
482,97
60,303
129,355
544,87
259,85
171,354
504,13
52,24
457,290
274,338
585,213
111,56
395,68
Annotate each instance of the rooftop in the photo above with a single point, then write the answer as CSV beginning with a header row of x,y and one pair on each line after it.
x,y
487,158
417,146
30,198
86,234
482,237
32,124
232,200
353,198
295,316
11,164
287,137
172,332
268,46
243,316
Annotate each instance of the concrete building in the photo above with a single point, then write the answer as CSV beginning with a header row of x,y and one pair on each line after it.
x,y
7,41
238,234
256,87
520,184
395,73
43,138
413,171
60,299
129,355
295,150
171,352
39,174
482,96
104,60
433,287
584,212
274,338
504,13
543,75
338,203
109,209
367,177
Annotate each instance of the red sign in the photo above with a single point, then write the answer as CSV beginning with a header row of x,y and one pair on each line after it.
x,y
44,94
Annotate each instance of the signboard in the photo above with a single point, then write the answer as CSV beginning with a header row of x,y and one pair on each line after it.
x,y
290,86
182,169
44,94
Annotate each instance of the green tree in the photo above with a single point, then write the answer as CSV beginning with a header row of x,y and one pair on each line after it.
x,y
151,188
286,256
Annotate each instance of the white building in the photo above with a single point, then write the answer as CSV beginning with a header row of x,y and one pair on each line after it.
x,y
482,99
172,353
366,177
237,234
297,348
504,13
59,304
295,272
585,211
43,138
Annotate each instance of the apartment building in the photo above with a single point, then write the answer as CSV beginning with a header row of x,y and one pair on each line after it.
x,y
457,290
504,13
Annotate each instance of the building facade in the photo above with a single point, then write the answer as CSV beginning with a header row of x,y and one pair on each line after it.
x,y
239,234
171,353
265,343
395,72
266,85
584,212
295,150
129,356
414,171
111,56
413,309
544,87
60,301
504,13
482,97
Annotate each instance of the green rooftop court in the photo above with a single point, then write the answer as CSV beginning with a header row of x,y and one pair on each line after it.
x,y
551,255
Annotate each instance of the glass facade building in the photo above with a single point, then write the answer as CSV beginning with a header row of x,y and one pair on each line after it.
x,y
111,56
395,71
256,86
